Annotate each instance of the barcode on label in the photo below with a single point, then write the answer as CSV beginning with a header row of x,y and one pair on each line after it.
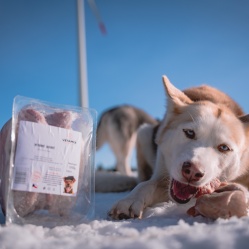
x,y
20,177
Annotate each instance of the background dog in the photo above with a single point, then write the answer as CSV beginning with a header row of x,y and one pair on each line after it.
x,y
118,127
201,142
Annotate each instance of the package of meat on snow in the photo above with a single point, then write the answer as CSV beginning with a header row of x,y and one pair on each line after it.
x,y
47,163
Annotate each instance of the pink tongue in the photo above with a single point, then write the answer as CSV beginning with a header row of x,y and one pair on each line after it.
x,y
183,191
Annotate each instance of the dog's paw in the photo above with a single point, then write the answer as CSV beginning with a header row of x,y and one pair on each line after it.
x,y
126,209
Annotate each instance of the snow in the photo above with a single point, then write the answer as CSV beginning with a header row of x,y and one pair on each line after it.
x,y
163,226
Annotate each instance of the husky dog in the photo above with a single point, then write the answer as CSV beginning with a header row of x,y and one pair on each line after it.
x,y
201,141
118,127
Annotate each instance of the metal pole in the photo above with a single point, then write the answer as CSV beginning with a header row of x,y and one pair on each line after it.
x,y
82,54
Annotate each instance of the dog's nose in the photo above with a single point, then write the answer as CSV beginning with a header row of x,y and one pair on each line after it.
x,y
191,172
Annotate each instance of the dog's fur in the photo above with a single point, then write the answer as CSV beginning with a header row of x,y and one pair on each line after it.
x,y
118,127
203,137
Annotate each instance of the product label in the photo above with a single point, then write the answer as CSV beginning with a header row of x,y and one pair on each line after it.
x,y
47,159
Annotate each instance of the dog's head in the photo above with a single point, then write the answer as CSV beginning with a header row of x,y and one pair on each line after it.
x,y
68,184
198,142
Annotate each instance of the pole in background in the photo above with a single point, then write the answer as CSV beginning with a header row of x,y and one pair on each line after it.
x,y
82,54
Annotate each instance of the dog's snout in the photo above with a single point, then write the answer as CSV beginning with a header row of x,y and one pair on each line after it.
x,y
191,172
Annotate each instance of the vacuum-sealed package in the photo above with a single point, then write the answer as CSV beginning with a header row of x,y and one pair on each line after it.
x,y
48,168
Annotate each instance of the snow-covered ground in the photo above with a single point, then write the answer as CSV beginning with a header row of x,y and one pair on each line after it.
x,y
164,226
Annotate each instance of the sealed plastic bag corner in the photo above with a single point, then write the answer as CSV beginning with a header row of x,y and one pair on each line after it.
x,y
51,174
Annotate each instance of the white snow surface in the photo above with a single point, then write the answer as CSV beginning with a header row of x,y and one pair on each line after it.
x,y
164,226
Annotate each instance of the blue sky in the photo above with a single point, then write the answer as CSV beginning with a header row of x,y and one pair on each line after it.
x,y
192,42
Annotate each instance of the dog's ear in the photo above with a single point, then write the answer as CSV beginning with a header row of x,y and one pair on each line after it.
x,y
176,99
244,119
175,96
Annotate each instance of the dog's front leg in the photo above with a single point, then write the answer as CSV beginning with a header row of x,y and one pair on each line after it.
x,y
145,194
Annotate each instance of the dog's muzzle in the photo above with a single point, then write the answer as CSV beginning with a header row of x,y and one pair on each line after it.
x,y
183,193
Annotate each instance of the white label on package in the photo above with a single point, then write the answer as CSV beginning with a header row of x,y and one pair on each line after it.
x,y
47,159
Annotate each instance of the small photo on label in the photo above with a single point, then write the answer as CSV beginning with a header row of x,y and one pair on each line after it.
x,y
69,184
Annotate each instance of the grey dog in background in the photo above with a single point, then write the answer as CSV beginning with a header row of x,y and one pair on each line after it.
x,y
118,127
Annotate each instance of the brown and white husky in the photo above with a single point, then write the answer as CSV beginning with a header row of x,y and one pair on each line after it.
x,y
201,141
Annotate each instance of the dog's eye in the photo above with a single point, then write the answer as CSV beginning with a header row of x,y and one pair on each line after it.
x,y
223,148
189,133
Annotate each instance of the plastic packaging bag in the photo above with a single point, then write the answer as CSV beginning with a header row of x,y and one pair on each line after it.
x,y
51,164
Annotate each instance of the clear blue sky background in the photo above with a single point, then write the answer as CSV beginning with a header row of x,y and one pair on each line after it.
x,y
192,42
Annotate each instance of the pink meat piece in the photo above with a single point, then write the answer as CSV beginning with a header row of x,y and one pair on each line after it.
x,y
209,188
32,116
227,201
60,119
